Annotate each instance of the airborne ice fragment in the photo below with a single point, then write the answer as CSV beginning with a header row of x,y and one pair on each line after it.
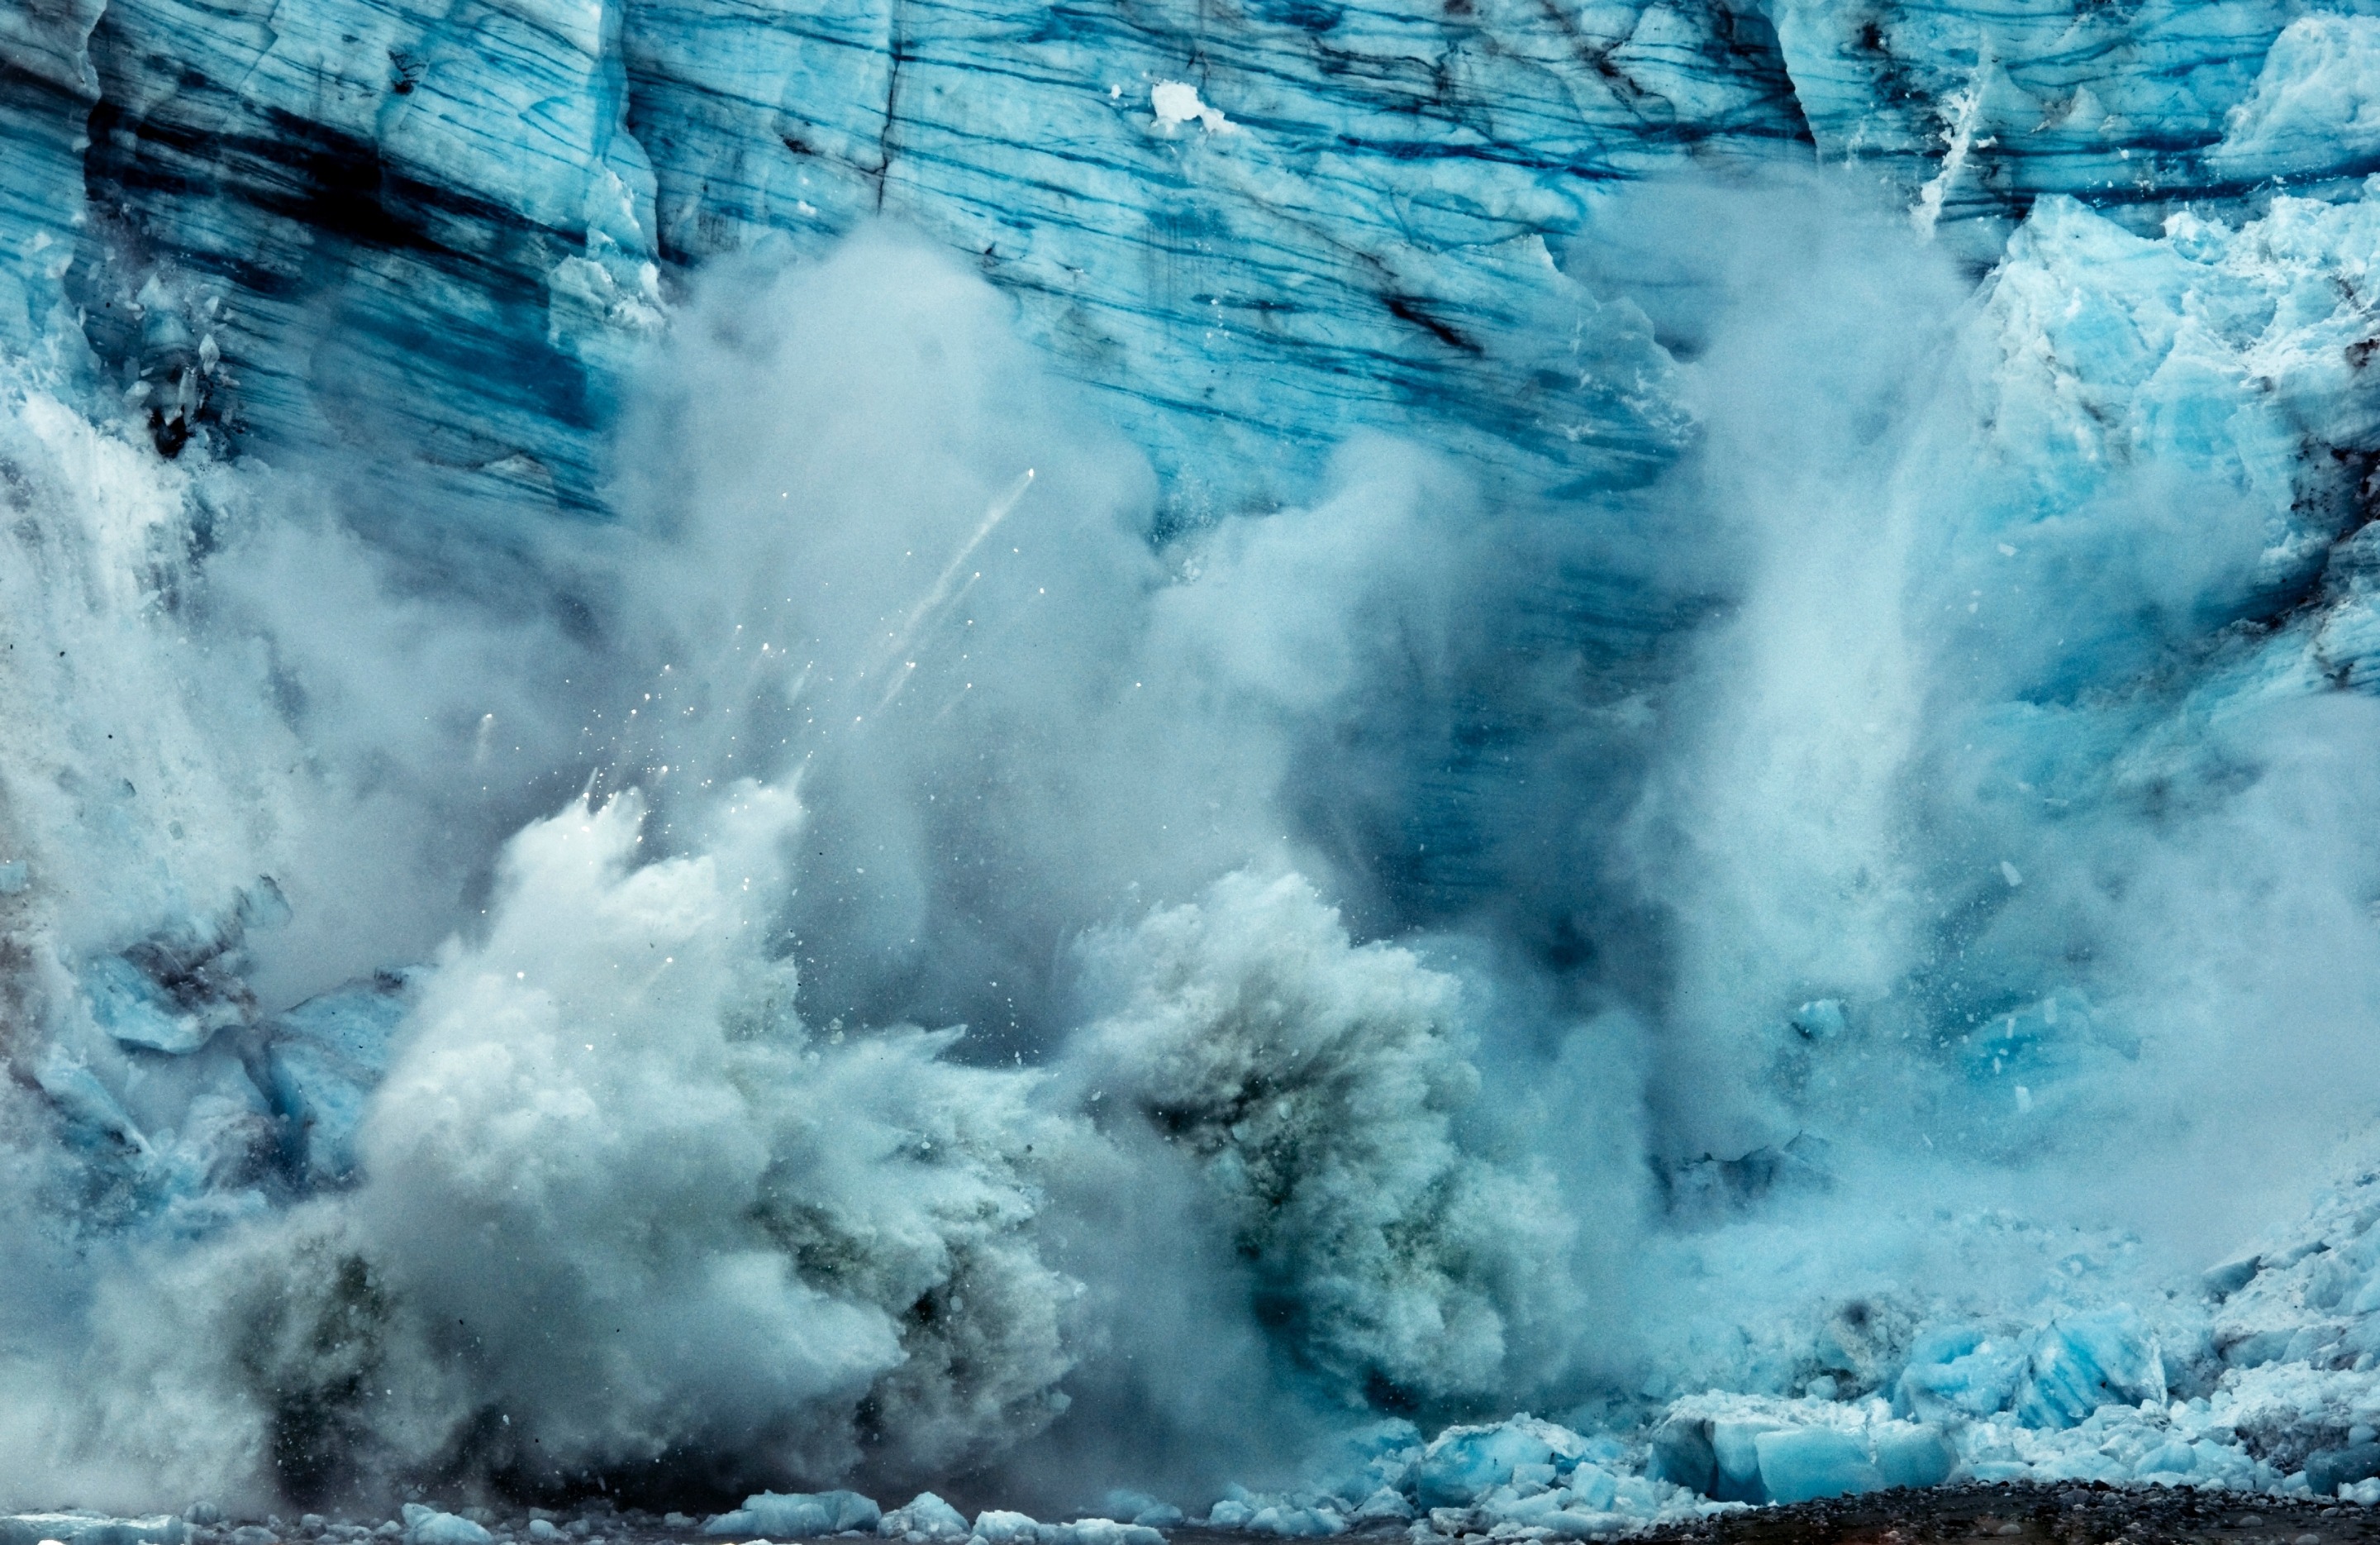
x,y
1176,102
130,1006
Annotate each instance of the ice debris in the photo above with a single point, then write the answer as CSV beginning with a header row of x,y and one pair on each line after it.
x,y
927,1516
797,1514
427,1525
90,1528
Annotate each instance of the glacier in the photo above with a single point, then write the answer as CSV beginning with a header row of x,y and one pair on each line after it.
x,y
1146,761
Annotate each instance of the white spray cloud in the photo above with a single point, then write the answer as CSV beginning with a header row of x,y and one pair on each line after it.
x,y
1362,914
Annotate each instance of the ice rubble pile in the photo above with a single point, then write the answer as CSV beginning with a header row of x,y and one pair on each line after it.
x,y
2083,1397
2270,1381
801,1516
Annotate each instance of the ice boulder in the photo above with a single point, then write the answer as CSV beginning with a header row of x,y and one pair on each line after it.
x,y
1965,1372
998,1528
1681,1453
1593,1488
798,1515
925,1513
1914,1455
2329,1470
427,1525
1758,1449
1736,1455
1463,1464
2081,1362
1799,1464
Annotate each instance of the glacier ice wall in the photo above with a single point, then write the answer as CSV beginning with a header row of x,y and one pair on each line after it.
x,y
1062,745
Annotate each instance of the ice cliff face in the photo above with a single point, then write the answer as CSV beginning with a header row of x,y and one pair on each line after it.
x,y
434,230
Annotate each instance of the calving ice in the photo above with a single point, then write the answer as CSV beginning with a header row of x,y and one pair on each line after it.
x,y
1124,767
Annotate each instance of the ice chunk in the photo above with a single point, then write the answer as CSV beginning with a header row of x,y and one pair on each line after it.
x,y
998,1528
1915,1454
1463,1464
1592,1487
2329,1470
2082,1362
1176,102
1734,1448
130,1006
2223,1280
797,1514
1682,1454
1821,1020
322,1060
1959,1372
1099,1531
1799,1464
925,1513
1296,1523
427,1525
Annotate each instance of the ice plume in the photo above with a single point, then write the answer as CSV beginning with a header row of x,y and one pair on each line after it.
x,y
1314,1086
624,1214
907,958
